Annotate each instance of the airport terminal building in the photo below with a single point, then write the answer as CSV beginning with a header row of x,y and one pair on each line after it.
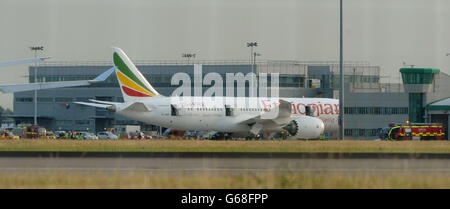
x,y
369,104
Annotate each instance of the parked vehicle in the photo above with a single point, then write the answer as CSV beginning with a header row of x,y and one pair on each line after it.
x,y
8,135
85,135
149,134
60,134
190,135
221,135
138,135
106,135
50,135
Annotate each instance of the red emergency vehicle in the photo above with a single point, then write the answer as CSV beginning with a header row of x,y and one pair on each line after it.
x,y
417,131
33,132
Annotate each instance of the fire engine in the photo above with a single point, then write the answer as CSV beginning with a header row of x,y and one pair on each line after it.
x,y
414,131
33,132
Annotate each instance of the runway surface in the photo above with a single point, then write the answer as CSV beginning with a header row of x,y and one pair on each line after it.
x,y
108,164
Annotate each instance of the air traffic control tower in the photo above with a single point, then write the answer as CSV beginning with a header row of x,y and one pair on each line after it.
x,y
418,82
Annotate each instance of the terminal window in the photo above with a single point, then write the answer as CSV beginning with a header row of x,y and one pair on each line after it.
x,y
63,99
24,99
376,110
362,132
45,99
64,122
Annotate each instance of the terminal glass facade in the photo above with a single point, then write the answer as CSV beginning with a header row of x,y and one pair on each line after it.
x,y
418,75
417,78
332,81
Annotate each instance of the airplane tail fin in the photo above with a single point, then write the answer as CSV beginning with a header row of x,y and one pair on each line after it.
x,y
133,84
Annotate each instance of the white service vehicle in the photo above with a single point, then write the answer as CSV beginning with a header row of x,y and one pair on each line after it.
x,y
106,135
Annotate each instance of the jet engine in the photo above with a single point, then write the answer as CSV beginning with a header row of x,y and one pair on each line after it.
x,y
112,108
306,127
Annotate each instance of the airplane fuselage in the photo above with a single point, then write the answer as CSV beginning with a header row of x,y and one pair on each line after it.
x,y
201,114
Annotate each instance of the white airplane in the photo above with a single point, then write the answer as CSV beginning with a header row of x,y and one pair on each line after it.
x,y
47,85
143,103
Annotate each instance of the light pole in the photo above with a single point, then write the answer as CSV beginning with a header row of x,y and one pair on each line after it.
x,y
252,56
341,77
35,49
254,64
411,66
188,56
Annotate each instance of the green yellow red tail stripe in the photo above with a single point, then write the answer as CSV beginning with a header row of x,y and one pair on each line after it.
x,y
132,82
131,85
133,93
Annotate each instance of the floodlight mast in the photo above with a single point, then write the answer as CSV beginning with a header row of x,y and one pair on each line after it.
x,y
188,56
35,49
252,57
341,78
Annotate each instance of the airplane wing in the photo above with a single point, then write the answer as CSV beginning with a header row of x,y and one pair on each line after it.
x,y
49,85
280,115
17,62
104,102
105,106
115,106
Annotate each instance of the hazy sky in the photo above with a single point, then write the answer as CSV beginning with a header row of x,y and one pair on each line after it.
x,y
383,32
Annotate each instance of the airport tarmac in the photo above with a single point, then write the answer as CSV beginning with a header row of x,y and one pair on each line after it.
x,y
108,164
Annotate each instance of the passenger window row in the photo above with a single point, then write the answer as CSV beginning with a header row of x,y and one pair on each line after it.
x,y
221,109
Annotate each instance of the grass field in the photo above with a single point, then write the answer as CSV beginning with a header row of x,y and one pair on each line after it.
x,y
265,180
225,146
279,180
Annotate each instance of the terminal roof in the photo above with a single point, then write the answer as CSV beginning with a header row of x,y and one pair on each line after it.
x,y
420,70
443,104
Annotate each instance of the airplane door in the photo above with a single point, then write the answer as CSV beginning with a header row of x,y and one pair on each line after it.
x,y
228,110
174,111
309,111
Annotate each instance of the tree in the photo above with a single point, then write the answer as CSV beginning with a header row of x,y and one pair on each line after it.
x,y
4,112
